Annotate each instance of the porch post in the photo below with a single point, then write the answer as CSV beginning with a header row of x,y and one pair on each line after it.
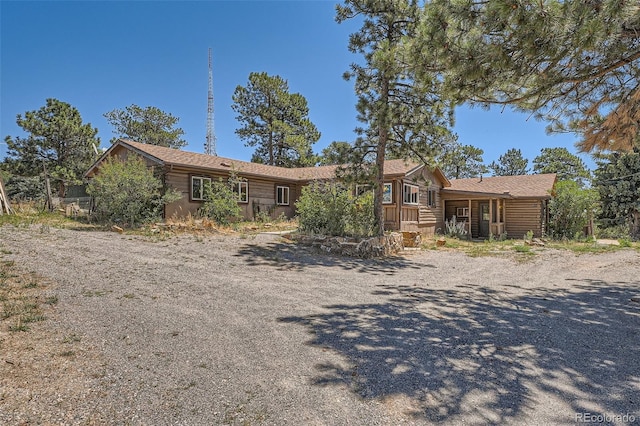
x,y
398,185
490,216
504,214
470,216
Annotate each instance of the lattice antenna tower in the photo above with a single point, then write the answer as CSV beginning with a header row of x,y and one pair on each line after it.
x,y
210,145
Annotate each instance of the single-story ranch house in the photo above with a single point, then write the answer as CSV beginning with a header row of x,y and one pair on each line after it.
x,y
416,198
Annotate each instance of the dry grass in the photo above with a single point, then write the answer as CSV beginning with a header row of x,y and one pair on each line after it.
x,y
518,247
204,226
22,300
38,361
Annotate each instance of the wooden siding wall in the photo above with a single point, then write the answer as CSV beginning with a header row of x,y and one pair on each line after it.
x,y
123,154
262,194
392,211
429,219
524,216
390,218
183,207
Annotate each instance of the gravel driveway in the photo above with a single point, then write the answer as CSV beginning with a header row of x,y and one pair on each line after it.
x,y
229,330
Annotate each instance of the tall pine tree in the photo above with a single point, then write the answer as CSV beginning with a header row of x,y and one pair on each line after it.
x,y
148,125
462,161
511,163
57,140
275,121
402,116
617,179
575,63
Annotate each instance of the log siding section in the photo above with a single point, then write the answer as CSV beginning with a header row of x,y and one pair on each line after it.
x,y
262,194
523,216
423,218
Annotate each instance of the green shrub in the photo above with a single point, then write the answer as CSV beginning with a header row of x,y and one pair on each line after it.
x,y
360,221
25,188
128,192
529,235
570,209
613,231
220,201
625,242
456,229
331,209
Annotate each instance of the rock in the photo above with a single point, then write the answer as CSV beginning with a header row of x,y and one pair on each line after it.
x,y
535,242
411,238
117,229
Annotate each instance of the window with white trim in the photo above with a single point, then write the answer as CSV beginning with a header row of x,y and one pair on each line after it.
x,y
197,187
242,189
462,212
410,194
387,193
282,195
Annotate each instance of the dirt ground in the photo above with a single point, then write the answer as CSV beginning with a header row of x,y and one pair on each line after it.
x,y
200,330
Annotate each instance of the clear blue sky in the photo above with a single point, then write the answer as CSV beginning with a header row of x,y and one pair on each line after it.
x,y
99,56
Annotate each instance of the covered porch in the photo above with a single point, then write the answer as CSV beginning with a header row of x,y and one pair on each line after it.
x,y
483,216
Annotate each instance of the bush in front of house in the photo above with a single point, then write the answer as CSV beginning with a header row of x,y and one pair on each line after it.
x,y
220,202
127,192
360,218
331,209
455,229
570,209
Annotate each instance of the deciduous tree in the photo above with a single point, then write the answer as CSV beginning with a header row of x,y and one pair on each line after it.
x,y
275,121
146,125
56,139
571,209
128,192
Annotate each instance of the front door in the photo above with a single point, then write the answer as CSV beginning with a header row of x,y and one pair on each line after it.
x,y
483,225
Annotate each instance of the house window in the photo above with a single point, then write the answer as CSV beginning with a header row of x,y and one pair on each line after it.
x,y
282,195
242,189
410,194
197,187
387,193
431,198
462,212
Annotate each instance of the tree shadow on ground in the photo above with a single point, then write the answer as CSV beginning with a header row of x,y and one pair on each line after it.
x,y
289,256
476,353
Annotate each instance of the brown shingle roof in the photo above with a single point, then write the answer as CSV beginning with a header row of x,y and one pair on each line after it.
x,y
176,157
523,186
170,156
